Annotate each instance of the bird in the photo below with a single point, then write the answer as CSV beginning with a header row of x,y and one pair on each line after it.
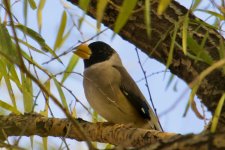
x,y
111,91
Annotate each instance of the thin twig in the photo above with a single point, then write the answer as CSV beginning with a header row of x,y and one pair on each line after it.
x,y
148,88
154,73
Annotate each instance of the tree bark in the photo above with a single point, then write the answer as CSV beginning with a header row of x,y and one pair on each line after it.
x,y
105,132
117,134
158,46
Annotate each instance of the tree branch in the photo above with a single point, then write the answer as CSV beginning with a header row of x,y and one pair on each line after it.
x,y
158,46
117,134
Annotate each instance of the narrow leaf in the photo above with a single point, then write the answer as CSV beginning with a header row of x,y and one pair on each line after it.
x,y
9,107
66,35
25,9
6,76
39,14
191,98
170,81
184,34
32,141
148,17
27,92
35,36
32,4
222,52
217,113
13,75
58,41
125,12
170,57
7,47
84,4
163,4
198,50
62,96
38,38
195,110
74,112
45,143
30,46
222,49
73,61
195,4
47,84
100,11
213,13
10,90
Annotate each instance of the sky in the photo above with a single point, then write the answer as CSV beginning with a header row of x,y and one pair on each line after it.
x,y
163,98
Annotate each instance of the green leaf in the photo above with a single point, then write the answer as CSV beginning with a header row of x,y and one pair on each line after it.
x,y
25,9
47,84
170,81
191,98
198,50
222,52
13,75
148,17
198,21
163,4
184,33
27,91
7,47
125,12
38,38
30,46
9,107
173,40
10,90
32,141
73,61
45,143
217,113
6,76
204,40
175,86
62,96
74,112
66,35
39,14
100,11
35,36
222,49
84,4
195,4
213,13
32,4
58,41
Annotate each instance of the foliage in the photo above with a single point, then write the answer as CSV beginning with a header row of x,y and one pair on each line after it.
x,y
23,74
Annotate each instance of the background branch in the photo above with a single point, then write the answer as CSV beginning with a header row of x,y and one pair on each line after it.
x,y
158,46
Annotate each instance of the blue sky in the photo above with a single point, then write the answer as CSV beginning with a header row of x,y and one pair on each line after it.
x,y
163,99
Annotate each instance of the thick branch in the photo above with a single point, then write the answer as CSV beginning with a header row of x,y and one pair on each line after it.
x,y
158,45
117,134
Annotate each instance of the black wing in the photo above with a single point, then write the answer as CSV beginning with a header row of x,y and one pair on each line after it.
x,y
133,93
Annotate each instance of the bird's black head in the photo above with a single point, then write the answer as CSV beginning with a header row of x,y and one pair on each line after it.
x,y
100,52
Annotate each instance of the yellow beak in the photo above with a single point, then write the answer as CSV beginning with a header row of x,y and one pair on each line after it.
x,y
83,51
